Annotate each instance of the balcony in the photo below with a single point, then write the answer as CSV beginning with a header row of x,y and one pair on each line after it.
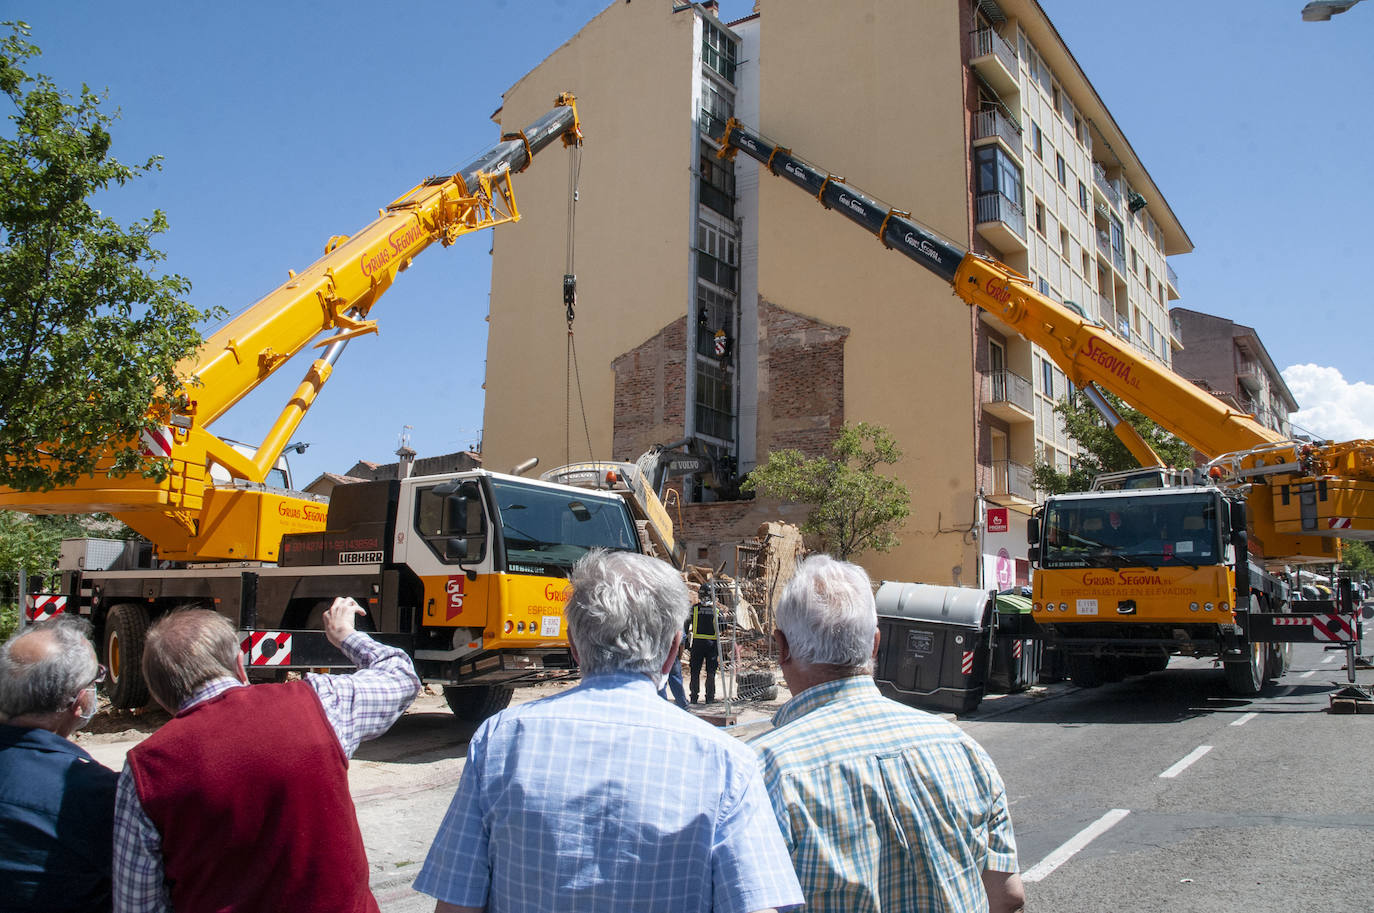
x,y
1173,283
1012,480
994,125
1175,333
1002,221
1251,377
1105,187
1106,309
1008,396
995,60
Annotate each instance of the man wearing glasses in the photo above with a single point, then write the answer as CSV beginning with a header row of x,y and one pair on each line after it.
x,y
56,802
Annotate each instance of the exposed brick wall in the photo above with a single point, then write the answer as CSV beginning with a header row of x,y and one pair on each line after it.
x,y
650,392
801,381
801,406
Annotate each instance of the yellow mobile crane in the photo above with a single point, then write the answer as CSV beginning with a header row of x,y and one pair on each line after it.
x,y
464,570
1198,570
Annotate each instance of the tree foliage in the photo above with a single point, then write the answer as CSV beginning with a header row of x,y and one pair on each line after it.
x,y
1357,557
89,335
855,508
31,544
1101,450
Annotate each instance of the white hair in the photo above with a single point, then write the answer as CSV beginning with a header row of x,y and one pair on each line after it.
x,y
828,614
50,681
623,612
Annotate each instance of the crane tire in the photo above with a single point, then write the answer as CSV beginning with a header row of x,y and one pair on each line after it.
x,y
474,703
1245,677
126,630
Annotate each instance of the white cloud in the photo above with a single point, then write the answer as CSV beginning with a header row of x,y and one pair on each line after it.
x,y
1332,407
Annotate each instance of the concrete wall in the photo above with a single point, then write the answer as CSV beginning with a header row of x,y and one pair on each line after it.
x,y
631,69
873,90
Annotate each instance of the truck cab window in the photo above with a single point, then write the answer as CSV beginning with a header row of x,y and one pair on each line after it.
x,y
452,523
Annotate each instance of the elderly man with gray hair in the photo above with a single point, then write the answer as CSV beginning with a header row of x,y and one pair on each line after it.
x,y
883,806
56,802
606,797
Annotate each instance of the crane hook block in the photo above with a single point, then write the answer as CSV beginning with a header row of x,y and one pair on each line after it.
x,y
569,294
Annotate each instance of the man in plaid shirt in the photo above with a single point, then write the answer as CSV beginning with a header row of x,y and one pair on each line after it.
x,y
606,797
883,807
241,801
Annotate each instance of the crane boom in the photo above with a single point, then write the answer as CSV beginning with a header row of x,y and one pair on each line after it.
x,y
189,516
1087,353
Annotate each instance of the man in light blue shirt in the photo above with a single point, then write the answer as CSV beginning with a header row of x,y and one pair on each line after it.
x,y
606,797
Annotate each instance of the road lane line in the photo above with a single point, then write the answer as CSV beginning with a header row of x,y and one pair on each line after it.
x,y
1187,762
1308,674
1288,690
1244,719
1330,657
1073,845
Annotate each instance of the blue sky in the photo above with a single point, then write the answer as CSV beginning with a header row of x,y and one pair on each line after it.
x,y
283,123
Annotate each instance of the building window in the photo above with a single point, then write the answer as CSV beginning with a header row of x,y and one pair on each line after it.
x,y
1135,262
1040,217
717,183
1047,378
1037,141
718,50
715,401
717,256
1082,196
716,108
1064,242
715,324
1056,97
1060,171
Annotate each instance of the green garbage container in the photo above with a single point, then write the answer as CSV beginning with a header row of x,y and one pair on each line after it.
x,y
1016,652
934,645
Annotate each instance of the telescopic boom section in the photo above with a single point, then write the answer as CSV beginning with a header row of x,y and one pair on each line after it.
x,y
1087,353
184,514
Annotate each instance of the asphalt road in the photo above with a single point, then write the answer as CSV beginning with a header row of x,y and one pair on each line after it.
x,y
1157,793
1183,798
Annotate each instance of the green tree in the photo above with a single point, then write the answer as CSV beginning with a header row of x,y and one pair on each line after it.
x,y
1100,449
89,334
31,544
855,508
1357,558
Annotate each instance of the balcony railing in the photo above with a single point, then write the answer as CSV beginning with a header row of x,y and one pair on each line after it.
x,y
996,125
1107,187
1008,387
1012,478
1119,261
1173,277
997,207
1104,244
1106,309
986,41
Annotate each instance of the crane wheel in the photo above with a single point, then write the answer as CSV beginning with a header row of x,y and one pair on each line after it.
x,y
474,703
126,629
1245,677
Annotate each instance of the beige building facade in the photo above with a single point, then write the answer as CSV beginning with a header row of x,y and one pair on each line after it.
x,y
718,303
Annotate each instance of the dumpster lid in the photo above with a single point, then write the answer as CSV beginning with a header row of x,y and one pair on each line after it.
x,y
1008,604
928,602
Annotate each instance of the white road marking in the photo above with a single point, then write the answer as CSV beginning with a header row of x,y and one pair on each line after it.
x,y
1073,845
1308,674
1241,721
1329,658
1187,762
1288,690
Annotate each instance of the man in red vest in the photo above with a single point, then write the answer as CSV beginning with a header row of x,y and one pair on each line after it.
x,y
241,801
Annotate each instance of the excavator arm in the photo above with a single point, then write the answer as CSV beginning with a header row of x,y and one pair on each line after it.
x,y
326,305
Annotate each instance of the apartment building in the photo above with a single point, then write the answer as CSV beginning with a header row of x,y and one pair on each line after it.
x,y
721,304
1229,360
